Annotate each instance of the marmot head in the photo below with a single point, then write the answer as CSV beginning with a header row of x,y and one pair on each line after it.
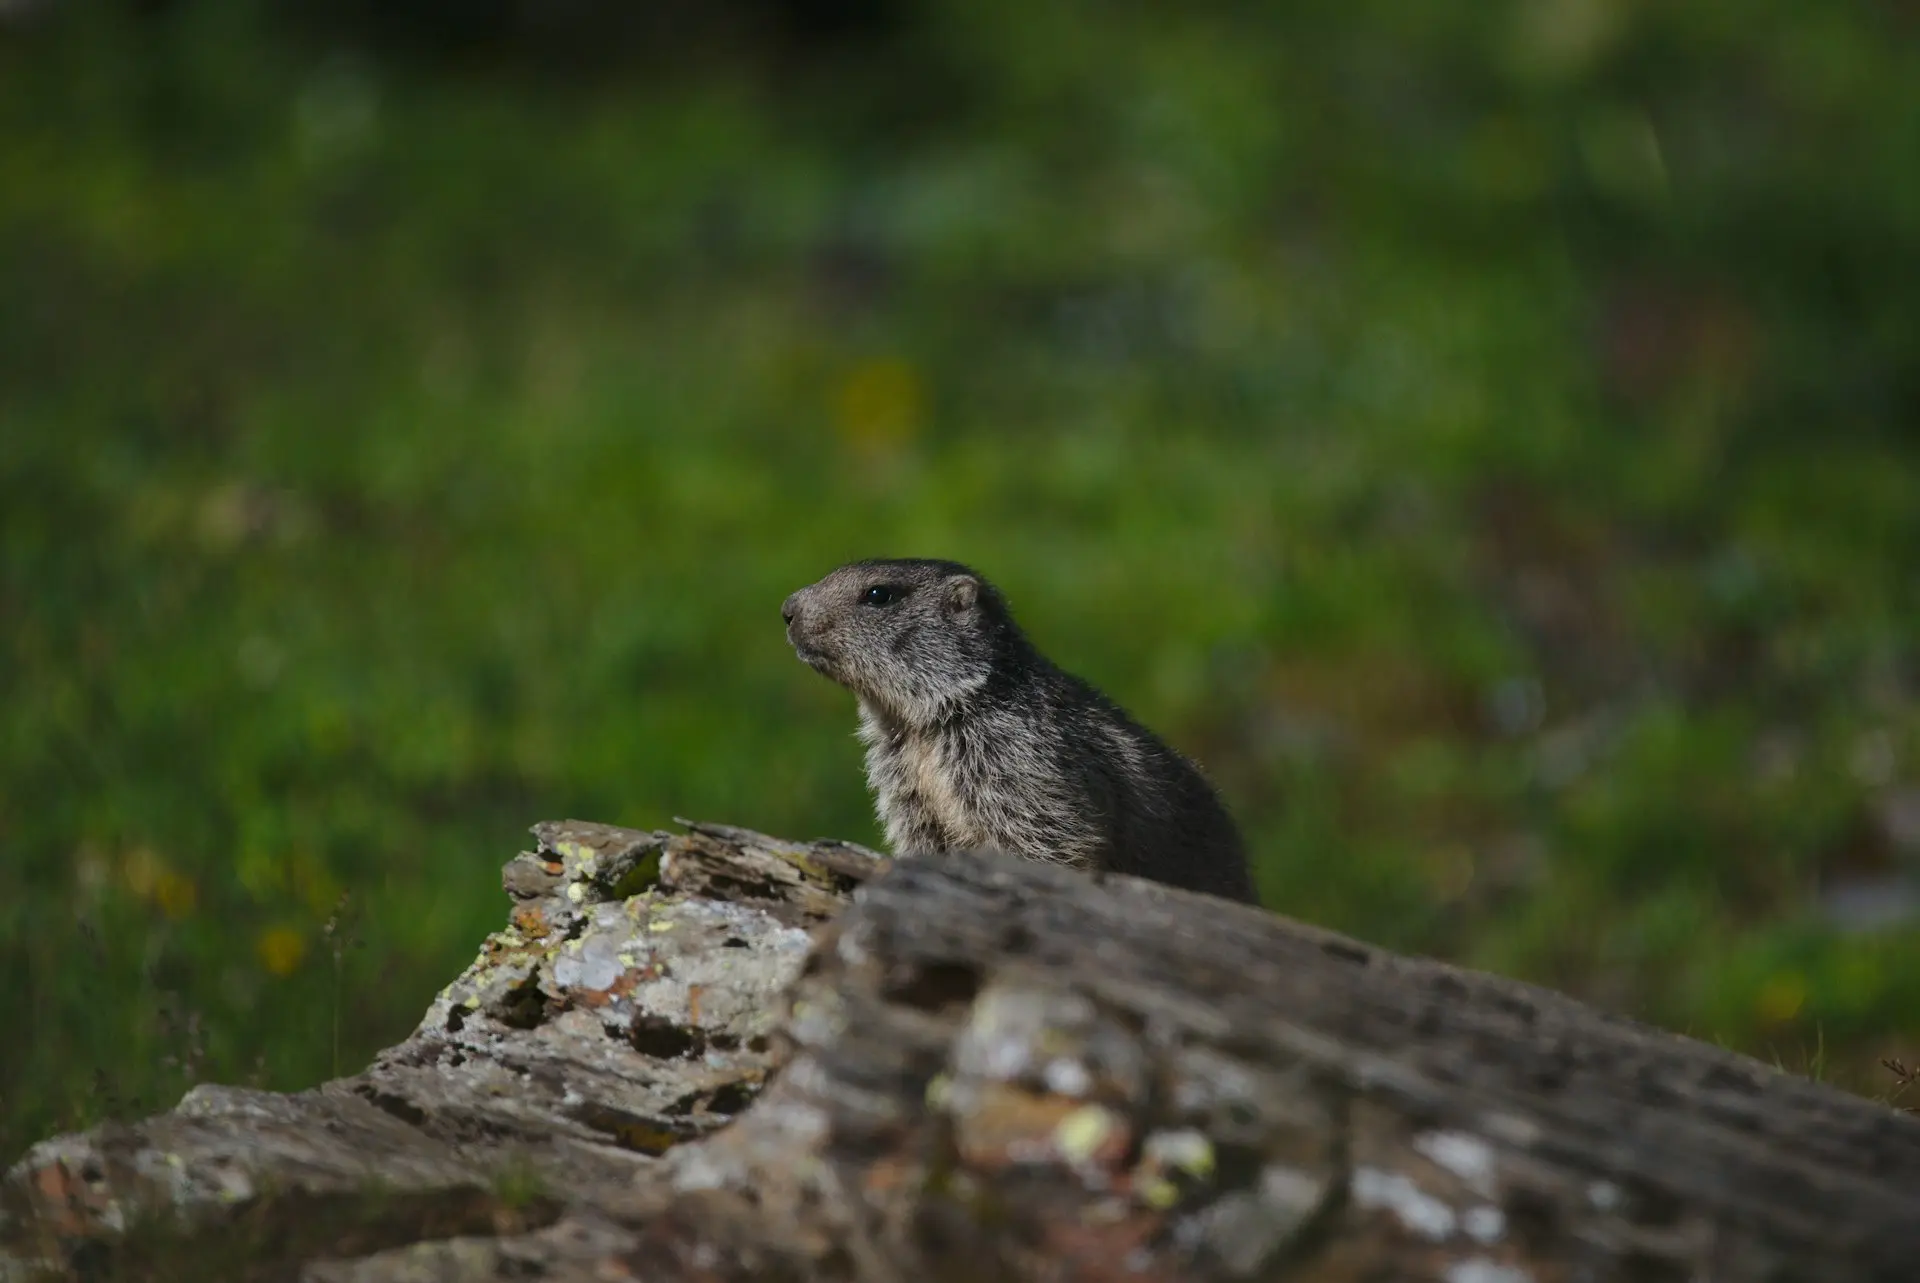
x,y
913,638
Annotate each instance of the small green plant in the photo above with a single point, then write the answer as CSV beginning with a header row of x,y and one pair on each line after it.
x,y
339,935
519,1184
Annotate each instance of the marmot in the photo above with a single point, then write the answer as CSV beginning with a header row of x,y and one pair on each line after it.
x,y
975,739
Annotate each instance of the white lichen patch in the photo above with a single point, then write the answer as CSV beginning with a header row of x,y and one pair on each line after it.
x,y
1291,1193
1465,1155
851,949
233,1184
1478,1269
596,966
1066,1077
1485,1225
1416,1209
818,1021
1050,1040
1011,1028
1186,1151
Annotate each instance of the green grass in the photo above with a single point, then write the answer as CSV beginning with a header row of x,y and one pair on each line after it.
x,y
1484,440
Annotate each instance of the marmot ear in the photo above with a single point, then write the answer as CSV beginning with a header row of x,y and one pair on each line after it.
x,y
962,592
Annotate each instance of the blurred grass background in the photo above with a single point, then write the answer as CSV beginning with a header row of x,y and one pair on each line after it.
x,y
1484,436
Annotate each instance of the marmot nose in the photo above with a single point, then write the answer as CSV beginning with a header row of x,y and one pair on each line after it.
x,y
789,608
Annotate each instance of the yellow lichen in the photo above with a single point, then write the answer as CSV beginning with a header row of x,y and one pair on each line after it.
x,y
1082,1133
806,864
1186,1151
1158,1192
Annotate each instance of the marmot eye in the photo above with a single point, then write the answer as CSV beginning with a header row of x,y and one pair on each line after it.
x,y
878,595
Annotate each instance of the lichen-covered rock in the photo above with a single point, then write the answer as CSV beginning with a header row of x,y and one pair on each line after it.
x,y
1006,1071
976,1070
627,1006
578,1248
1028,1130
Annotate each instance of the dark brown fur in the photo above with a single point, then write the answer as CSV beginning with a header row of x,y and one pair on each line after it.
x,y
975,739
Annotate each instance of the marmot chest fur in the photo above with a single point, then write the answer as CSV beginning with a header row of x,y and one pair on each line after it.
x,y
974,739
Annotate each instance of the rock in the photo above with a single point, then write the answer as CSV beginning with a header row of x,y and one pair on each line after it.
x,y
620,1012
974,1068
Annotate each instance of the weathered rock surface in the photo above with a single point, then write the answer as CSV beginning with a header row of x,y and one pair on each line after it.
x,y
982,1069
629,1005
